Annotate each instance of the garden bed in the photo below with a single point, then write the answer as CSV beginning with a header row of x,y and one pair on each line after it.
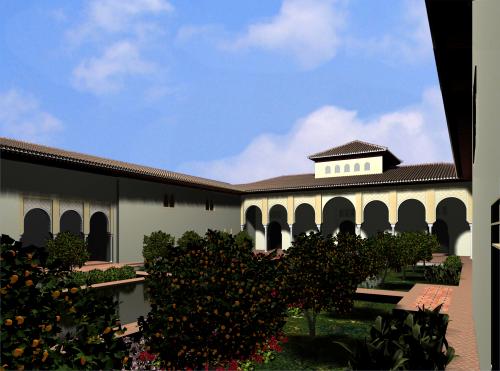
x,y
303,352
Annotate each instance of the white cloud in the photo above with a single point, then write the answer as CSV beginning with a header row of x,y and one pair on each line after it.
x,y
22,118
117,16
122,30
410,41
106,73
306,29
415,134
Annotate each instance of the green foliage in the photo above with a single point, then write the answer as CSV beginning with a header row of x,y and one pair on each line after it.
x,y
99,276
453,262
189,239
405,341
385,252
212,303
157,244
448,273
33,307
66,251
324,272
244,241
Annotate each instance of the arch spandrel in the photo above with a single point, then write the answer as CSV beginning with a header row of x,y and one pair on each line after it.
x,y
411,195
325,198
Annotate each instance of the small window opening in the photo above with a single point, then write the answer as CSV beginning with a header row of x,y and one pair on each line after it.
x,y
356,167
328,170
337,169
347,168
367,166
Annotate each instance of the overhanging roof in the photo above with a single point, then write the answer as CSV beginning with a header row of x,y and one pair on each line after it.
x,y
450,22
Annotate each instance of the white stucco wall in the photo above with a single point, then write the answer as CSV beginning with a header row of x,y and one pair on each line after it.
x,y
376,167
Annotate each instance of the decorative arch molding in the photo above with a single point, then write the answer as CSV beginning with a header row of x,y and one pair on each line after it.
x,y
282,201
324,200
30,203
411,195
297,201
67,205
249,203
103,208
443,194
379,196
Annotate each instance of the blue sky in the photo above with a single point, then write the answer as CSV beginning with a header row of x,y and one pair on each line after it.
x,y
230,90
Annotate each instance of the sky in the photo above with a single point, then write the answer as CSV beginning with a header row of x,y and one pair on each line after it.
x,y
235,91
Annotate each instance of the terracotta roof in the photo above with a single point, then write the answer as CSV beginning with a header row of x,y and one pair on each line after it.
x,y
422,173
125,168
352,148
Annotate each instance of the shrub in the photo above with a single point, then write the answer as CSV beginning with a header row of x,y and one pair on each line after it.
x,y
66,251
99,276
323,273
410,341
33,306
385,252
244,241
188,239
447,274
157,244
212,303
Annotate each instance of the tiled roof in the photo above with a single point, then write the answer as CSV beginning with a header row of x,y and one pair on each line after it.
x,y
423,173
75,158
402,174
352,148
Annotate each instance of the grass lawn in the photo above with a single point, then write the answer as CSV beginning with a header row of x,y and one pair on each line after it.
x,y
394,280
319,353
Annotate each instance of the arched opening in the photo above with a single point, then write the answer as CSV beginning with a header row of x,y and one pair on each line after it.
x,y
254,227
337,168
440,230
336,211
347,168
274,237
36,228
411,217
376,219
278,215
304,220
328,170
71,221
356,167
98,240
367,166
347,226
453,213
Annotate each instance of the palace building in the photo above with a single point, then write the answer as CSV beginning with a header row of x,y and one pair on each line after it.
x,y
357,187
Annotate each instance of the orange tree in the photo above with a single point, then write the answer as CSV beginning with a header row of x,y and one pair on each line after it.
x,y
324,272
34,305
212,303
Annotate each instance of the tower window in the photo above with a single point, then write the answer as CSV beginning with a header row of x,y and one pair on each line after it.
x,y
328,170
347,168
367,166
337,168
356,167
171,202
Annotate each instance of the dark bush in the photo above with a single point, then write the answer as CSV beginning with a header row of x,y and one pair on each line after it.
x,y
408,341
244,241
212,303
66,251
33,306
189,239
157,244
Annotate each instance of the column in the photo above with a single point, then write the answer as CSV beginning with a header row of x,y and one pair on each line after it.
x,y
291,232
265,236
319,227
358,229
470,227
242,227
430,227
393,229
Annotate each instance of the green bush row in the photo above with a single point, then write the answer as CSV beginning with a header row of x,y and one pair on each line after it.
x,y
99,276
447,273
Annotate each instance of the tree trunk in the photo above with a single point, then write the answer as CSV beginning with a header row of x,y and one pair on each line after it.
x,y
404,273
385,274
311,321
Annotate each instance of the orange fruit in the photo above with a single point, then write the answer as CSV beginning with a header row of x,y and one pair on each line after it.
x,y
13,279
20,320
74,290
18,352
29,282
56,294
8,322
